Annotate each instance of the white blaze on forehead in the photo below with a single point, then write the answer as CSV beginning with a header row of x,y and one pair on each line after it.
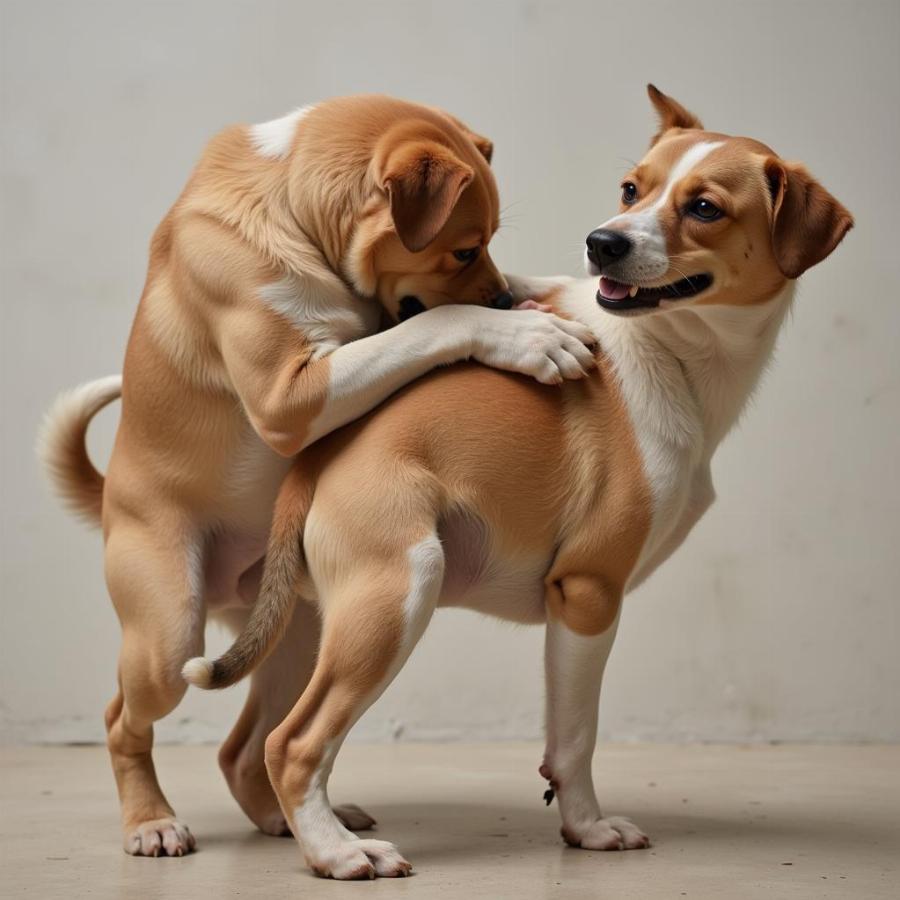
x,y
274,139
689,160
648,259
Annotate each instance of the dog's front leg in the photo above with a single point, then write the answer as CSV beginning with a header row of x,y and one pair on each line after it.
x,y
294,394
574,670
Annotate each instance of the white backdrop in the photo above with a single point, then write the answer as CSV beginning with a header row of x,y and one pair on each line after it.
x,y
777,620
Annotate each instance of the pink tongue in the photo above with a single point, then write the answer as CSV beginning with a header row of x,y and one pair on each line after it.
x,y
613,290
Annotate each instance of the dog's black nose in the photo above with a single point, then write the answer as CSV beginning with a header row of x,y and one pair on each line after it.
x,y
503,301
409,307
605,246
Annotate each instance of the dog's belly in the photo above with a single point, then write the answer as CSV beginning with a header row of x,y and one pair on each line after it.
x,y
477,576
236,543
253,477
232,572
509,592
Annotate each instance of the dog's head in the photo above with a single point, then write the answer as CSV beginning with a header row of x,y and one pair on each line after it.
x,y
423,237
709,219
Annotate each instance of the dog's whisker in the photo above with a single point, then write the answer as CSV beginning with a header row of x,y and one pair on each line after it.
x,y
509,206
683,275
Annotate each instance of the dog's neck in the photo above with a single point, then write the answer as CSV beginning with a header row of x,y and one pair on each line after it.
x,y
723,351
299,212
719,351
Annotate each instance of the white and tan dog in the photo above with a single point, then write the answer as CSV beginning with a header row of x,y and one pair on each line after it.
x,y
531,503
257,333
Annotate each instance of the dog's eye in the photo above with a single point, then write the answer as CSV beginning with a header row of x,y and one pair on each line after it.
x,y
629,192
466,255
705,210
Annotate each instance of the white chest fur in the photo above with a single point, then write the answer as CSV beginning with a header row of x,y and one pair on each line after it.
x,y
668,427
685,376
328,321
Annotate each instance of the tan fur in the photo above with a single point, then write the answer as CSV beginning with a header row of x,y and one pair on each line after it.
x,y
280,586
582,508
779,237
608,511
62,449
513,477
807,222
471,487
219,385
672,115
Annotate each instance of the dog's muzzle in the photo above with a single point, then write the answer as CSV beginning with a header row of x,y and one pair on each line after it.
x,y
605,246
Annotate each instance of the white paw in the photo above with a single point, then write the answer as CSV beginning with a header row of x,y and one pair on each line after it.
x,y
540,344
350,816
159,837
351,860
613,833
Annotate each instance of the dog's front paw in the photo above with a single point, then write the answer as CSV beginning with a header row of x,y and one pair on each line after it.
x,y
359,859
612,833
531,342
159,837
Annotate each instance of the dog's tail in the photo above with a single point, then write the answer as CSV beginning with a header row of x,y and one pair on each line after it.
x,y
285,568
62,450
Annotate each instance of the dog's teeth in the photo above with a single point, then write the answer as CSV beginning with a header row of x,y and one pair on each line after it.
x,y
632,291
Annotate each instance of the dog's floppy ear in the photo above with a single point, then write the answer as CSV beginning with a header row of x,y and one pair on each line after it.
x,y
485,145
807,222
671,113
423,180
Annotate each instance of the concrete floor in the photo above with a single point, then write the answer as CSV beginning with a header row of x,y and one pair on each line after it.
x,y
727,823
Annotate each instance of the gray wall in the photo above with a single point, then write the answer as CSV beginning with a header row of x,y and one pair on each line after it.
x,y
777,620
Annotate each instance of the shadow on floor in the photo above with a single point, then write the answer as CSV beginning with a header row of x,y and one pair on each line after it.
x,y
441,831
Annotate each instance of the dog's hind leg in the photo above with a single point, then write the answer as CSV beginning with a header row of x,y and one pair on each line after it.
x,y
274,688
154,572
373,615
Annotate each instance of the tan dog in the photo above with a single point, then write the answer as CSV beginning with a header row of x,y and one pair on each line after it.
x,y
538,504
257,334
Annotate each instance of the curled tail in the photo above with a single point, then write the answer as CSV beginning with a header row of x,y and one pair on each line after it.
x,y
62,449
271,614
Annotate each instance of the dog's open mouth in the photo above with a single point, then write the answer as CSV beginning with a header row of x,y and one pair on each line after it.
x,y
619,295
